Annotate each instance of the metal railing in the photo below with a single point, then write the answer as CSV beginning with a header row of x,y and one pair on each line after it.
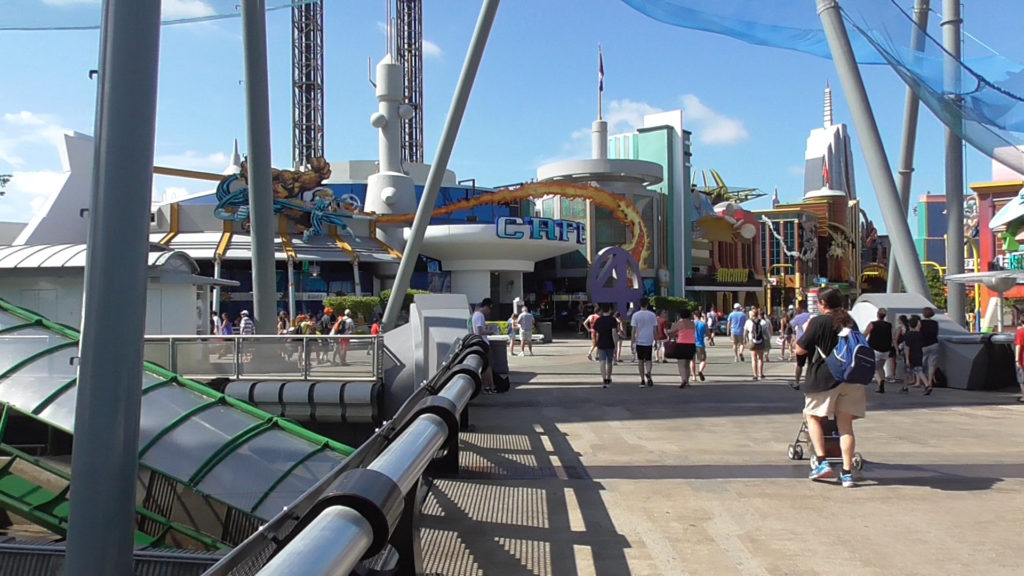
x,y
291,356
351,513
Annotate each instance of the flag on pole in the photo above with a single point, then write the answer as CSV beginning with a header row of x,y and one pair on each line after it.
x,y
600,70
826,178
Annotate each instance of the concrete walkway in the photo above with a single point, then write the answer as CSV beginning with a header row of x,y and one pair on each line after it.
x,y
562,477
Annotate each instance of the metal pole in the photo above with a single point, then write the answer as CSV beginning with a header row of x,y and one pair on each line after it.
x,y
872,147
105,459
216,294
291,290
437,169
261,193
951,23
910,113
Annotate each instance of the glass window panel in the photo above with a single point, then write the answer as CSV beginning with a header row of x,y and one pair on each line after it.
x,y
249,471
7,320
161,406
35,381
61,412
183,450
20,344
298,482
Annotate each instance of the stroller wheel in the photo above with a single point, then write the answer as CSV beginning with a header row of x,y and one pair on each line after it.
x,y
858,461
814,462
796,452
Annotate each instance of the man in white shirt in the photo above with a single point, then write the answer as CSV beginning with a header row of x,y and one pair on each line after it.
x,y
644,323
480,328
480,319
525,324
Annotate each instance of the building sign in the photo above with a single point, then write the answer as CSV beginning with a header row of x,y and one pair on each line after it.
x,y
1013,261
515,228
732,275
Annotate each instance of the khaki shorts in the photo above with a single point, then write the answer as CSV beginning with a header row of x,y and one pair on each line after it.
x,y
847,398
737,340
702,354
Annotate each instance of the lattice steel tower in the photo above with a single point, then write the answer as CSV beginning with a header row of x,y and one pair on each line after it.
x,y
307,82
408,50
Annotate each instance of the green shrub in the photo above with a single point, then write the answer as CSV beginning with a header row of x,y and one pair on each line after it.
x,y
385,295
672,304
362,307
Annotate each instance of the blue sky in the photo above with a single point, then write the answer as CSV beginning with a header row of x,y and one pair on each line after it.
x,y
750,108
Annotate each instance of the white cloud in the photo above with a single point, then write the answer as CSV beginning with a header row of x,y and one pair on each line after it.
x,y
27,192
182,9
796,170
711,127
431,50
26,134
621,116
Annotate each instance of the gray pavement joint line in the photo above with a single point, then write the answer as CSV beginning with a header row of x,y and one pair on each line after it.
x,y
725,531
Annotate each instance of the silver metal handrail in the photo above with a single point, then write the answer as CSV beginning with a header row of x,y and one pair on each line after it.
x,y
339,536
267,356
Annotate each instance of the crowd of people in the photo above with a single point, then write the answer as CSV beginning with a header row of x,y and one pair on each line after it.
x,y
324,323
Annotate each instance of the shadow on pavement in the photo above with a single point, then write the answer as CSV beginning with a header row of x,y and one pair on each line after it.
x,y
523,503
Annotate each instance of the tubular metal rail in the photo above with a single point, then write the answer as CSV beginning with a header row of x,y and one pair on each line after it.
x,y
365,510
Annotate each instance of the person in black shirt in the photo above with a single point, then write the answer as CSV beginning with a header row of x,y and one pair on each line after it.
x,y
930,334
879,335
604,339
913,346
824,397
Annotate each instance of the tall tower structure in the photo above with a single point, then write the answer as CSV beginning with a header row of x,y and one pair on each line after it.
x,y
408,50
307,82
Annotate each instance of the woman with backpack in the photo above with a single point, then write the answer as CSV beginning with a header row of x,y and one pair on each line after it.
x,y
758,331
824,396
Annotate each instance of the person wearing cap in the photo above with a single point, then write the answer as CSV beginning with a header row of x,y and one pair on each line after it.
x,y
736,322
246,327
479,327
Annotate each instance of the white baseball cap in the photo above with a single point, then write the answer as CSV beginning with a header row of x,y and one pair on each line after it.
x,y
737,306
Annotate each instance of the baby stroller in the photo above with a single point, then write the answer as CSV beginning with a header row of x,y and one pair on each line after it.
x,y
833,453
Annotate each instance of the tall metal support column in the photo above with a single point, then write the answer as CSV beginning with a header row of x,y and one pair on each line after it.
x,y
437,169
951,23
261,193
911,108
872,147
105,458
409,52
307,82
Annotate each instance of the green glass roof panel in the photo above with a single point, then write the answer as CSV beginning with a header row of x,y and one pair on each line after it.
x,y
297,482
19,345
28,386
162,406
183,450
252,468
7,320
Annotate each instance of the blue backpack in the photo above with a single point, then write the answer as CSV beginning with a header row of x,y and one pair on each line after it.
x,y
852,360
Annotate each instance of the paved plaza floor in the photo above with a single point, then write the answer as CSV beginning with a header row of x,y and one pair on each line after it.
x,y
562,477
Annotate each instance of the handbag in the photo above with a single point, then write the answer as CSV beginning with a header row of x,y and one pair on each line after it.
x,y
672,350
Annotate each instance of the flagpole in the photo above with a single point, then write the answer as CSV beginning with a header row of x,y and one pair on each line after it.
x,y
600,84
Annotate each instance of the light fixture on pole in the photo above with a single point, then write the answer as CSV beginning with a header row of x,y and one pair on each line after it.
x,y
314,270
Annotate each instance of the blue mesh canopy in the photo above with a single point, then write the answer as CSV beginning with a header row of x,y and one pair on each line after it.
x,y
984,102
85,14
